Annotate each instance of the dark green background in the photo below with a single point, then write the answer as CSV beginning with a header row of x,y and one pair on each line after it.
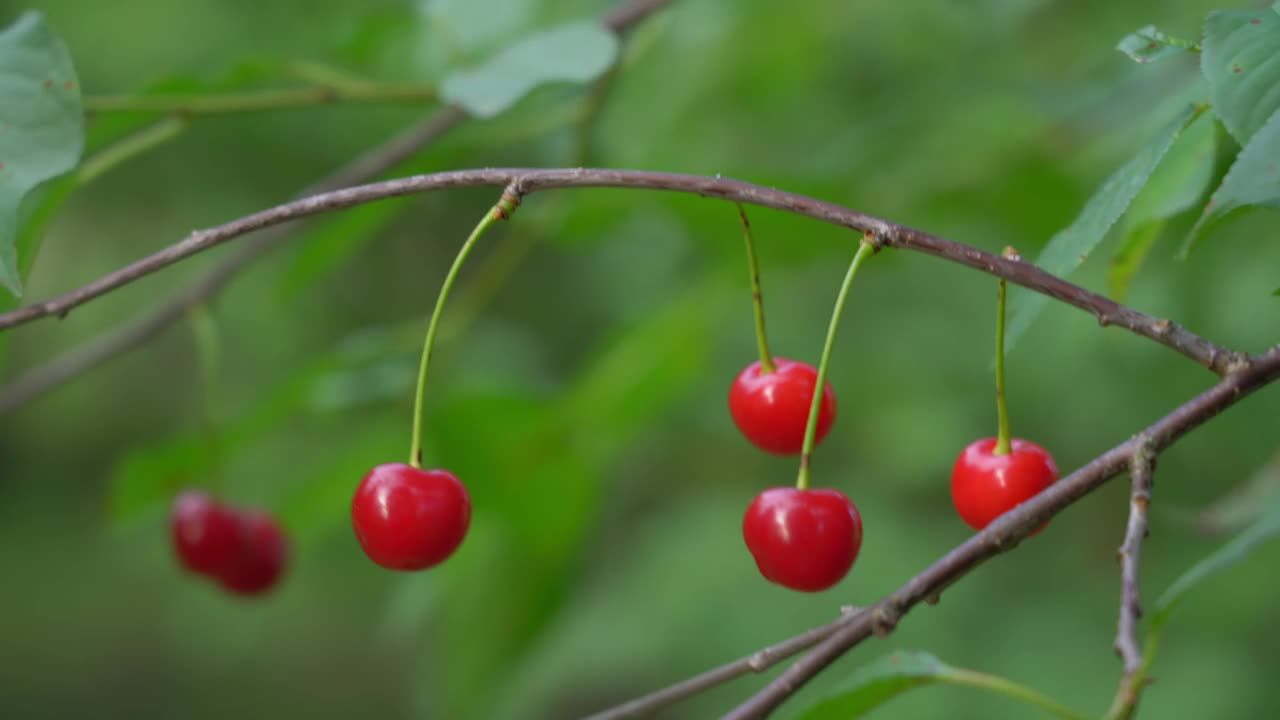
x,y
585,404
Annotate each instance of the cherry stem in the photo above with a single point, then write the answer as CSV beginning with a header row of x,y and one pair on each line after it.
x,y
757,297
1003,439
866,250
501,211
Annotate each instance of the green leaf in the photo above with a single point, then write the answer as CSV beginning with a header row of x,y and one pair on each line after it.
x,y
1069,248
1180,185
41,124
1266,527
577,52
1147,45
145,479
890,676
1245,503
1253,180
1241,61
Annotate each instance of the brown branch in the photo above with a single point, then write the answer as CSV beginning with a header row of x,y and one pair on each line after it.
x,y
1140,473
1022,273
374,162
1010,529
756,662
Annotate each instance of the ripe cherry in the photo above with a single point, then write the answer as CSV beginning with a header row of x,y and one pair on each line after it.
x,y
772,408
205,534
262,555
410,519
985,486
803,539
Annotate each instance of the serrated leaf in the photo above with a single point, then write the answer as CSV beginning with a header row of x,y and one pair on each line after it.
x,y
578,52
41,124
1180,185
1147,45
1066,250
875,684
1252,181
1241,61
1265,528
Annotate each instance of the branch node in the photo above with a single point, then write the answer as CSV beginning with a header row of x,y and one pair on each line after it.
x,y
1010,253
873,240
883,620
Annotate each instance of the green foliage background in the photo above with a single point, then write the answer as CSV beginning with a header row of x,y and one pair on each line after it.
x,y
583,400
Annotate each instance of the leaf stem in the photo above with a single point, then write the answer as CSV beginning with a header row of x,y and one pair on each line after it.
x,y
757,297
145,139
275,99
1003,439
1012,689
865,250
501,211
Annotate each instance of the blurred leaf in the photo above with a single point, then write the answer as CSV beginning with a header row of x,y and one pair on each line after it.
x,y
1241,60
1244,503
41,124
1147,45
1263,529
1178,186
1069,248
145,479
322,504
890,676
1253,180
333,242
577,52
535,471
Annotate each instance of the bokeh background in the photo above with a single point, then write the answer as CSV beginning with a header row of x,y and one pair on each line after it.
x,y
580,390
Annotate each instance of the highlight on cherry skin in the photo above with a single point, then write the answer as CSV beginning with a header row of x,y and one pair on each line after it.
x,y
245,552
406,518
803,539
985,486
772,408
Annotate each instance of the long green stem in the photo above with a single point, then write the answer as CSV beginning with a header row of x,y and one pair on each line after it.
x,y
811,429
1012,689
1003,439
276,99
757,297
500,211
145,139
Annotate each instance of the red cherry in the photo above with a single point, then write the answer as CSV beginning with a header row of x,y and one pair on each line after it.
x,y
204,532
772,409
410,519
261,556
985,486
803,539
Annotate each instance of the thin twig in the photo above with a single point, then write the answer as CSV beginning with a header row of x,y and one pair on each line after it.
x,y
1010,529
376,161
1130,555
1107,311
756,662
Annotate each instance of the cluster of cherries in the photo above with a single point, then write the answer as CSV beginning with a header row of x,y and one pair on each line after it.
x,y
807,539
243,550
407,518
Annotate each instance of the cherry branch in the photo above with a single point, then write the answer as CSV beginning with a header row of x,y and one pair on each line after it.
x,y
756,662
1011,528
1108,312
372,163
